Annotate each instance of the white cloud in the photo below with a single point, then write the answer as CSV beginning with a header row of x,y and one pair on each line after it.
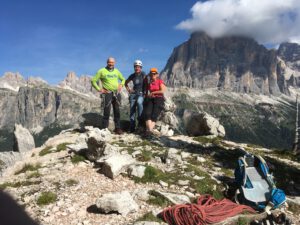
x,y
268,21
143,50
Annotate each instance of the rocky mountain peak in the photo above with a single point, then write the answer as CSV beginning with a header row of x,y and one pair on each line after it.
x,y
12,81
10,76
80,84
236,64
71,76
36,81
289,52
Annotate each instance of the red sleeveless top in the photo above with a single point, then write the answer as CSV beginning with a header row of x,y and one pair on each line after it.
x,y
155,86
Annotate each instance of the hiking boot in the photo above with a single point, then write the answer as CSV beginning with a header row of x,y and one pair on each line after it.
x,y
140,130
118,131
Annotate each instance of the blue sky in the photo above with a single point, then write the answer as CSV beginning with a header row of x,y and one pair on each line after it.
x,y
48,38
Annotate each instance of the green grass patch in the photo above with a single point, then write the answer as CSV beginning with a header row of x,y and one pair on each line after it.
x,y
46,198
62,147
206,140
206,185
227,172
154,175
130,150
284,175
77,159
35,174
45,151
242,221
149,217
157,199
145,156
294,208
18,184
28,167
71,182
286,154
254,146
120,144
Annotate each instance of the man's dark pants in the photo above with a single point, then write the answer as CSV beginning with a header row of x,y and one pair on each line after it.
x,y
113,99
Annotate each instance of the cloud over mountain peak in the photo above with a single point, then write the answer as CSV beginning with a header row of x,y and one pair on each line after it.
x,y
267,21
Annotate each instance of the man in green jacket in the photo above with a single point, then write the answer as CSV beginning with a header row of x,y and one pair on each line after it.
x,y
110,77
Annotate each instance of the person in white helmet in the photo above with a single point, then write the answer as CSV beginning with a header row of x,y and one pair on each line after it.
x,y
136,98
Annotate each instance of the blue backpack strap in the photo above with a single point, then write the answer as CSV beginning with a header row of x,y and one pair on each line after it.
x,y
277,197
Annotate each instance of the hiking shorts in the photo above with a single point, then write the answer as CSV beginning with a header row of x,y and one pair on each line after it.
x,y
153,108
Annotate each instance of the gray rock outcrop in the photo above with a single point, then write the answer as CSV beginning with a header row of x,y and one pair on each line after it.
x,y
97,143
116,164
8,159
24,141
174,198
120,202
136,170
198,124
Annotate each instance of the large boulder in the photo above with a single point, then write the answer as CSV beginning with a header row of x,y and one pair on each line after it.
x,y
116,164
198,124
24,141
120,202
170,119
99,134
167,116
97,145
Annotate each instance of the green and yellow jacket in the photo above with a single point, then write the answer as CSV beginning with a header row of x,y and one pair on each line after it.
x,y
109,79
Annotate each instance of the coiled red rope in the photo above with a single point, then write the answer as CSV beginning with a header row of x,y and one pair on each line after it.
x,y
207,210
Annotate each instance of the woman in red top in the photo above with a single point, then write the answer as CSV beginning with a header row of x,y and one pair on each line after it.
x,y
154,99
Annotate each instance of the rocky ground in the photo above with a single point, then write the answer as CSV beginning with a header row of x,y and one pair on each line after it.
x,y
91,176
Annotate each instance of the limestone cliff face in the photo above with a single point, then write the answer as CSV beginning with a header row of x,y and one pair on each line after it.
x,y
236,64
289,55
36,108
8,102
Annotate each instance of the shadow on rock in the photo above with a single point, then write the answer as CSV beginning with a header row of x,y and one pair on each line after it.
x,y
95,120
93,209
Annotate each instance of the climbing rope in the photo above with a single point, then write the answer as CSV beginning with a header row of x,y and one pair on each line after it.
x,y
207,210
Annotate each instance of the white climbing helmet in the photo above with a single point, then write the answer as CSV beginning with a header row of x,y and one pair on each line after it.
x,y
138,63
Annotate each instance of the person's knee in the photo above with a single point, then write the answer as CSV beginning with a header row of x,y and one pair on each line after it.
x,y
140,101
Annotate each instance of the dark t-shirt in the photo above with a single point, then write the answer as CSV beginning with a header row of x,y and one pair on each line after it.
x,y
137,80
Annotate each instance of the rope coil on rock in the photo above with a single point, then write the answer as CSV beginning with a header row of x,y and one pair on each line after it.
x,y
207,210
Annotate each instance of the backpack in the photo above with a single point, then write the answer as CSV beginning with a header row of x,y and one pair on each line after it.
x,y
256,187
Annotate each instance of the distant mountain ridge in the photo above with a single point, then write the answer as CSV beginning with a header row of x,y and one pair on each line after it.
x,y
236,64
81,84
